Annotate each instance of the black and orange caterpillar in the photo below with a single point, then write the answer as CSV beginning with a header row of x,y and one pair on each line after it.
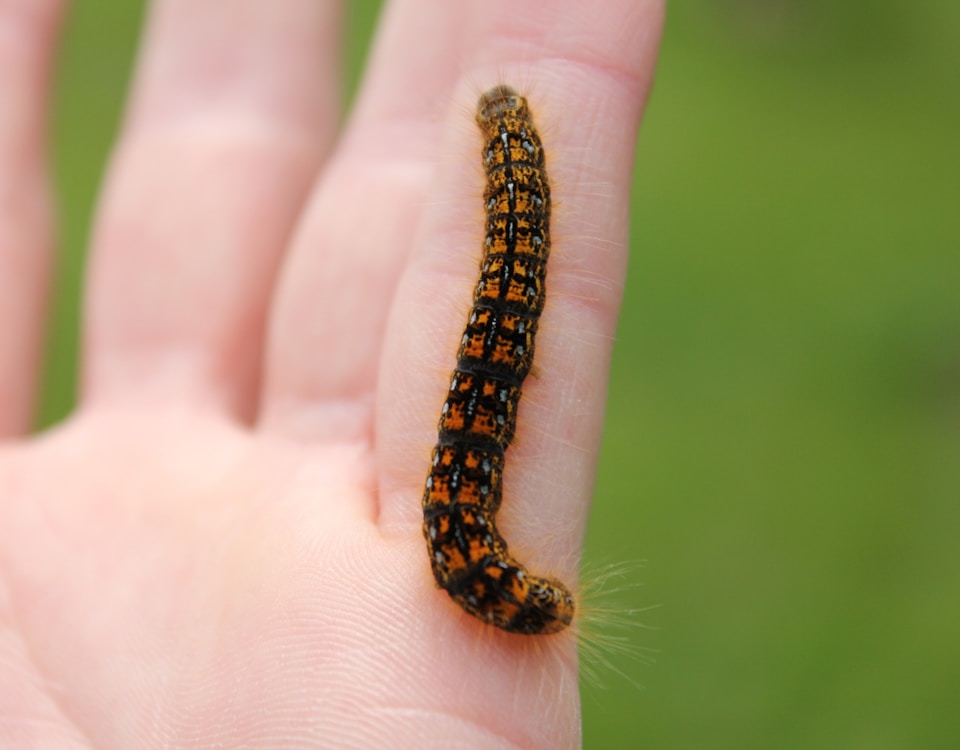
x,y
464,489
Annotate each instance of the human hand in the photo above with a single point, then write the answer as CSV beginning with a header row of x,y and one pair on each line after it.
x,y
222,546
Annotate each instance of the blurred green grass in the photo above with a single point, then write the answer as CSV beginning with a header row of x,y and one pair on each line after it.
x,y
783,435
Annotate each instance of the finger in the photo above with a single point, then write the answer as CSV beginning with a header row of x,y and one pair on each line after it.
x,y
326,330
232,108
28,32
586,73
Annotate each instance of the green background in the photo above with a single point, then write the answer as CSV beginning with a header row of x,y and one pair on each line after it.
x,y
783,438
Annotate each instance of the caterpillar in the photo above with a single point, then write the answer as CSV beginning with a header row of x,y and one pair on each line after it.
x,y
464,489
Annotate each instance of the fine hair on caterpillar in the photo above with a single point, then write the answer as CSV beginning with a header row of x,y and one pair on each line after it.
x,y
609,624
611,628
469,557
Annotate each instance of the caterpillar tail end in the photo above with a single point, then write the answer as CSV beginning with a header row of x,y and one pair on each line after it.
x,y
500,592
547,608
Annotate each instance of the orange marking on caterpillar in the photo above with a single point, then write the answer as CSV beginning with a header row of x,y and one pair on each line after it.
x,y
464,489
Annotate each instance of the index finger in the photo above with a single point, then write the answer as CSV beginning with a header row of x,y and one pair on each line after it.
x,y
585,72
28,33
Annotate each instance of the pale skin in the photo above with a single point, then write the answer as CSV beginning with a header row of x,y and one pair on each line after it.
x,y
222,546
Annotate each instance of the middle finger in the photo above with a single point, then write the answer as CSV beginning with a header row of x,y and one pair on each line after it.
x,y
327,327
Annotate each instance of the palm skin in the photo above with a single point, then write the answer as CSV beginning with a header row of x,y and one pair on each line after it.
x,y
209,586
222,547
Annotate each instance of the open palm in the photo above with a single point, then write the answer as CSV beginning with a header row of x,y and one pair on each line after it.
x,y
222,547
